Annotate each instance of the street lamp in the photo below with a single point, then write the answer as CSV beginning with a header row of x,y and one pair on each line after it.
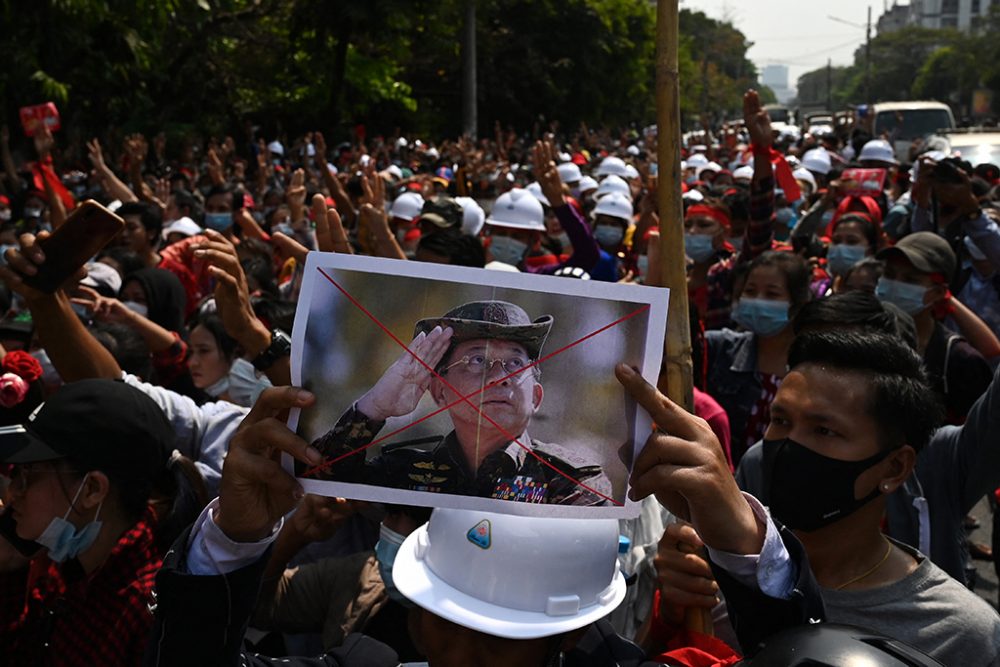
x,y
868,50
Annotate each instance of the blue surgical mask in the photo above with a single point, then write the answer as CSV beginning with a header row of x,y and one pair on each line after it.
x,y
218,388
827,218
386,549
31,213
507,250
220,222
62,538
136,307
907,297
245,385
609,236
840,257
764,317
698,247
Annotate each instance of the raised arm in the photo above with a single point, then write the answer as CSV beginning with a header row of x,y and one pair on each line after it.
x,y
75,354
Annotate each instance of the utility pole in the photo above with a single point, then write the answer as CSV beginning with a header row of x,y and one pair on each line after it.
x,y
470,121
829,84
868,59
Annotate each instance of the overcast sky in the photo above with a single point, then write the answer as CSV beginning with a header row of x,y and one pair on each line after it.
x,y
796,33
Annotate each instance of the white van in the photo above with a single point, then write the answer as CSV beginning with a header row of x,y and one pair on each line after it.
x,y
903,122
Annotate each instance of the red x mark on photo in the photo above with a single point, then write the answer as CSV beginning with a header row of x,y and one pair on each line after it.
x,y
467,397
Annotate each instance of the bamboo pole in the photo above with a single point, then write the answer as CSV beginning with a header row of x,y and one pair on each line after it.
x,y
673,270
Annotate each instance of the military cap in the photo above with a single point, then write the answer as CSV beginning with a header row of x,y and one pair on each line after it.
x,y
497,320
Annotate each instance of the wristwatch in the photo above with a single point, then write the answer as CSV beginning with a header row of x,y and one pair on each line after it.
x,y
281,346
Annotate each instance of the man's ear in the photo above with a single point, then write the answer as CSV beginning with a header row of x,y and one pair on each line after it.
x,y
935,293
96,488
901,462
537,394
437,392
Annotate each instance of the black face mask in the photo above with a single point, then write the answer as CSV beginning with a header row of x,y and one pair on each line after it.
x,y
809,491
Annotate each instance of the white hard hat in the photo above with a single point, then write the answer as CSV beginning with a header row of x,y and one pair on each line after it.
x,y
183,225
878,149
714,167
817,160
535,188
632,150
394,171
744,172
276,147
518,209
569,172
473,215
615,205
587,183
613,184
432,153
693,195
803,174
612,165
401,142
631,172
406,206
696,160
508,576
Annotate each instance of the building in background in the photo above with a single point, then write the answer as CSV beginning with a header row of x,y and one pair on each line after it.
x,y
961,14
775,77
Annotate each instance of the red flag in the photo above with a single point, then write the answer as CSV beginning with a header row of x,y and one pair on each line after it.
x,y
783,174
42,174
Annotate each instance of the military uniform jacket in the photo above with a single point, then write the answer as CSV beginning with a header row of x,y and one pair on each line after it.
x,y
536,473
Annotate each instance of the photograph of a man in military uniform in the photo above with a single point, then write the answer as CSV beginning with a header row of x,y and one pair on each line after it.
x,y
507,428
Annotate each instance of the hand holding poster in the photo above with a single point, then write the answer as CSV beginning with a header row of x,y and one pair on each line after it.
x,y
449,386
858,182
34,117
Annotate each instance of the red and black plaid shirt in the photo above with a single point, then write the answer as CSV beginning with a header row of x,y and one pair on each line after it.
x,y
70,618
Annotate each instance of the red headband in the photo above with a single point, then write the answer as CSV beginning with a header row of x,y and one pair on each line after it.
x,y
704,211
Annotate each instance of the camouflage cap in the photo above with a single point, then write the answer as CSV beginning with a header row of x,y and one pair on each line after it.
x,y
497,320
443,212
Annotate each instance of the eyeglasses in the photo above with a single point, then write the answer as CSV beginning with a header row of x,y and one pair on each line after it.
x,y
479,365
22,476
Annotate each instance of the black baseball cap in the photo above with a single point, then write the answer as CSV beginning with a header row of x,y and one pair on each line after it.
x,y
926,251
104,425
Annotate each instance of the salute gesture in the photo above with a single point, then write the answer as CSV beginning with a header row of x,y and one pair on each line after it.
x,y
403,384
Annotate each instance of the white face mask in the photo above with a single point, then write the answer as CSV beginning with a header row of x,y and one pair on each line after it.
x,y
507,250
218,388
62,538
136,307
245,385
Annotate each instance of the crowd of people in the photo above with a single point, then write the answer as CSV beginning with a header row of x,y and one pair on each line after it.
x,y
845,343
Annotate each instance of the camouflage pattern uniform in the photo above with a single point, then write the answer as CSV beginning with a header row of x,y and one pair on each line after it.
x,y
437,465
